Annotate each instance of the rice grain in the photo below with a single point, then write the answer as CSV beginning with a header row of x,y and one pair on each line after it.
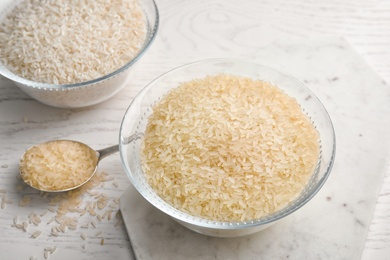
x,y
36,234
65,42
229,148
58,165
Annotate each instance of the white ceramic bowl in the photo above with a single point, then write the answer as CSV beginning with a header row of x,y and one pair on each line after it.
x,y
135,121
89,92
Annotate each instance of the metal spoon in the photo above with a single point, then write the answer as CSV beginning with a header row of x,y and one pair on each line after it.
x,y
27,159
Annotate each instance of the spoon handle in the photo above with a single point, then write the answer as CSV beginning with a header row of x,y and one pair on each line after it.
x,y
107,151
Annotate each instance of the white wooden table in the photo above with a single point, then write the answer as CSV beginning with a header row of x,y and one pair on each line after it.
x,y
220,27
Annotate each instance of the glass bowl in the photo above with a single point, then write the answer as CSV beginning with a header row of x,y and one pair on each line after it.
x,y
136,119
89,92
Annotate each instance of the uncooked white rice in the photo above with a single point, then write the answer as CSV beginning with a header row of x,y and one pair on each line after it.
x,y
65,42
47,251
36,234
93,223
24,201
58,165
229,148
64,210
25,226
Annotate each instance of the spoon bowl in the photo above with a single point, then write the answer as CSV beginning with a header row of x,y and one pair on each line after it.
x,y
61,165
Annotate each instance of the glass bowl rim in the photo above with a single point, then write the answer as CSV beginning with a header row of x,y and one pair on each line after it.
x,y
225,225
4,71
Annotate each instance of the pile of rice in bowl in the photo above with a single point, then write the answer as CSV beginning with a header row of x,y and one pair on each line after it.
x,y
71,41
229,148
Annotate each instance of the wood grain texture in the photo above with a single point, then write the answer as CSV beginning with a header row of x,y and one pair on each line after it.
x,y
191,30
220,26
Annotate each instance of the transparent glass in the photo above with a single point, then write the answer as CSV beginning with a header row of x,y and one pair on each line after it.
x,y
135,121
89,92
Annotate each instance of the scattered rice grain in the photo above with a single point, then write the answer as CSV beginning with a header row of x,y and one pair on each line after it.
x,y
43,213
113,205
110,178
51,209
47,251
99,217
36,234
25,226
19,226
51,220
86,225
92,212
54,233
24,201
93,223
82,212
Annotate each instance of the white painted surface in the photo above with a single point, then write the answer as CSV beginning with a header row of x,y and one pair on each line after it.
x,y
334,224
189,31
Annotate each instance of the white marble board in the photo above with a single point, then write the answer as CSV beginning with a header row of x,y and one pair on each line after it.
x,y
334,224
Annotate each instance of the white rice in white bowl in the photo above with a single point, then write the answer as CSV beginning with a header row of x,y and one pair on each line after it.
x,y
229,148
